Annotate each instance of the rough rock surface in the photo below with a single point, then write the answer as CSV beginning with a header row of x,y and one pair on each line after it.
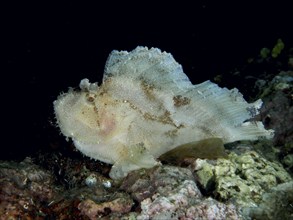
x,y
243,178
275,204
277,111
24,188
169,192
235,188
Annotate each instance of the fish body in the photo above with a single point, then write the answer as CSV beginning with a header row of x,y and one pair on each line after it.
x,y
147,106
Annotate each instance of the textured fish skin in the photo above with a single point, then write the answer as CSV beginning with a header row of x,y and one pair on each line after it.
x,y
145,107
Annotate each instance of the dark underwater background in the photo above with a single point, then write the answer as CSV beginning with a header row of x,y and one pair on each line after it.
x,y
48,47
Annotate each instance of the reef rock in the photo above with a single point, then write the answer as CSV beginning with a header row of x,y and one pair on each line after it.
x,y
145,107
242,178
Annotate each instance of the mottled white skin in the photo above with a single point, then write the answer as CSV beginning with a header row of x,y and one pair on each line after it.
x,y
147,106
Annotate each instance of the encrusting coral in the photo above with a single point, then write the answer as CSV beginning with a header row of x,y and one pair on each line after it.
x,y
244,178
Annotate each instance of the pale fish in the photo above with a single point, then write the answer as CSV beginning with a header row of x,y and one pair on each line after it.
x,y
145,107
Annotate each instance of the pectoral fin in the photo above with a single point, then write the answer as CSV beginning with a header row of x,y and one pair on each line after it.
x,y
211,148
138,157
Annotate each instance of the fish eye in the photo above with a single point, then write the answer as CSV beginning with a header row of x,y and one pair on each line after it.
x,y
90,98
